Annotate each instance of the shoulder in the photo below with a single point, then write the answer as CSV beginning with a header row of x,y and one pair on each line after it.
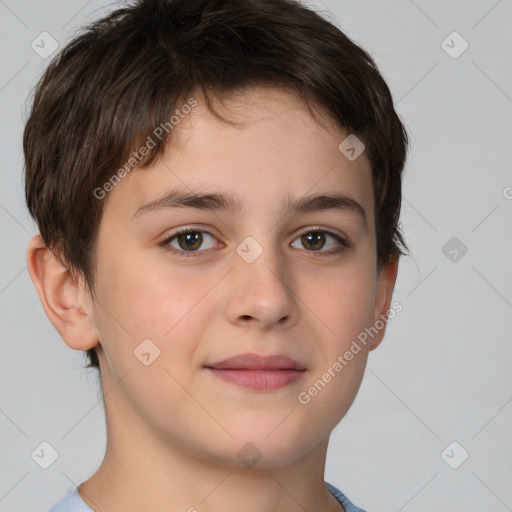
x,y
72,502
347,504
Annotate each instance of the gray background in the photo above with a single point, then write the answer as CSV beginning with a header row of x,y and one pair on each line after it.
x,y
442,373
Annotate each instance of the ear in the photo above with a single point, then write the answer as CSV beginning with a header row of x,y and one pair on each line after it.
x,y
67,303
386,278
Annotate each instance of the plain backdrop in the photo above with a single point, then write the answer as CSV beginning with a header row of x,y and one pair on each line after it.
x,y
443,372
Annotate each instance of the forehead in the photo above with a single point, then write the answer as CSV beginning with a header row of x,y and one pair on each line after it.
x,y
277,151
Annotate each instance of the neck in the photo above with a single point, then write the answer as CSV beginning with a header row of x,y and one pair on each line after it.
x,y
141,472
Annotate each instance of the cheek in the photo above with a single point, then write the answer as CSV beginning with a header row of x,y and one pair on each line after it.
x,y
138,301
148,332
144,303
343,304
147,297
343,301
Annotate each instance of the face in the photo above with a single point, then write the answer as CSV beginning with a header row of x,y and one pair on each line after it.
x,y
264,268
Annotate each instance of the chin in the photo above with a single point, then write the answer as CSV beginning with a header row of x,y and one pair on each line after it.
x,y
260,450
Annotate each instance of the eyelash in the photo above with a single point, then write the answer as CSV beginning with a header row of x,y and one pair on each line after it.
x,y
343,244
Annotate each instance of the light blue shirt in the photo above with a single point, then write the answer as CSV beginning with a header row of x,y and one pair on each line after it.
x,y
73,502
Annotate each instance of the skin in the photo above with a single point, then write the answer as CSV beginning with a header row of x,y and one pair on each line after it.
x,y
173,428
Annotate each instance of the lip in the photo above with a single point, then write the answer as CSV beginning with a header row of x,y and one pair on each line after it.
x,y
259,373
257,362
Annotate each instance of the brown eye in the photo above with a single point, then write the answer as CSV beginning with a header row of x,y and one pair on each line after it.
x,y
189,241
317,240
314,240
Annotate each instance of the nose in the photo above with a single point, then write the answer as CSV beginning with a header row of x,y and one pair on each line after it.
x,y
260,293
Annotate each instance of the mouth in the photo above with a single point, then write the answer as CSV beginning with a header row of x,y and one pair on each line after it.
x,y
259,373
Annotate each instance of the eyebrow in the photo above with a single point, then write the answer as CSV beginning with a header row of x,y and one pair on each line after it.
x,y
234,205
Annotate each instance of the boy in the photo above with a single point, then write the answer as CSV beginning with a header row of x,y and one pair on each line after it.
x,y
217,185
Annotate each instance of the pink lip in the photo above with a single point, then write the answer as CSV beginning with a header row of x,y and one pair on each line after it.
x,y
260,373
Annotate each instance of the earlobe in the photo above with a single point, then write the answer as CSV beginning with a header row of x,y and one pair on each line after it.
x,y
386,279
61,297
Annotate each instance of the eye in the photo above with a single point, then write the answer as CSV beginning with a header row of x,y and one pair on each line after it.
x,y
189,241
316,240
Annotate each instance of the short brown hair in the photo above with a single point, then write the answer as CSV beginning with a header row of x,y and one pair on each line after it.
x,y
108,89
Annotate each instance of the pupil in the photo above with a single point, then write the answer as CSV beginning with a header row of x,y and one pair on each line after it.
x,y
314,240
189,241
